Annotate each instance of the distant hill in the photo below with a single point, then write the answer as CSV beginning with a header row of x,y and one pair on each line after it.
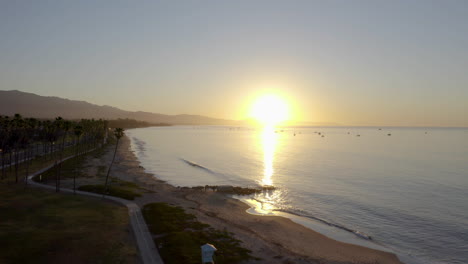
x,y
33,105
132,123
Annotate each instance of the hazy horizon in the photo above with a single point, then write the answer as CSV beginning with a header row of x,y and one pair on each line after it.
x,y
289,124
360,63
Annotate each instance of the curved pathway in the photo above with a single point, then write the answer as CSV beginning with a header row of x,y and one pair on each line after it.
x,y
146,247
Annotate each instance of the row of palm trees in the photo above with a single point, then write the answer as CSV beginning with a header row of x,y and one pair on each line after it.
x,y
23,139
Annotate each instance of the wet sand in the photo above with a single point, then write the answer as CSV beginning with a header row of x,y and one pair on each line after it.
x,y
274,239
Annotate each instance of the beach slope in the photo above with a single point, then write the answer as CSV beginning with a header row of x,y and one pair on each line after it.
x,y
274,239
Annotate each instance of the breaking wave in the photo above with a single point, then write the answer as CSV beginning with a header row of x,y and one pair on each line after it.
x,y
196,165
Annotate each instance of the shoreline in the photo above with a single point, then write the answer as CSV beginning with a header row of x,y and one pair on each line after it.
x,y
275,239
328,230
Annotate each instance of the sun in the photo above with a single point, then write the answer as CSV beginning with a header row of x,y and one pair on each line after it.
x,y
270,110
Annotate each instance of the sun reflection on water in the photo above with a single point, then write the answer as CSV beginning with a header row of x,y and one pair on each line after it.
x,y
269,141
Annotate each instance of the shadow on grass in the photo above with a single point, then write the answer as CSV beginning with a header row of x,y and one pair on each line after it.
x,y
72,167
125,191
43,227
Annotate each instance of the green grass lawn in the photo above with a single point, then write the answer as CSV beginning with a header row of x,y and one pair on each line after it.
x,y
73,167
117,188
180,237
38,226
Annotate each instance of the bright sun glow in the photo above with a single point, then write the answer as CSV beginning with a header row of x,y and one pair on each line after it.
x,y
270,110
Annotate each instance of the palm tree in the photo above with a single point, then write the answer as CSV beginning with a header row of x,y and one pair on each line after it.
x,y
58,125
4,139
78,130
65,126
16,137
31,124
20,139
51,136
118,133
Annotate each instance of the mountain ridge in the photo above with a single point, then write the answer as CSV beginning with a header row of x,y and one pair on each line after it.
x,y
38,106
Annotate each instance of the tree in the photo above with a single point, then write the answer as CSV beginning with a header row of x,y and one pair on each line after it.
x,y
58,125
21,138
78,130
65,126
4,140
31,126
118,133
16,138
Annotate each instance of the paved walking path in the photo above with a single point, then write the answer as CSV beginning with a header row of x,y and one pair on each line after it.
x,y
148,252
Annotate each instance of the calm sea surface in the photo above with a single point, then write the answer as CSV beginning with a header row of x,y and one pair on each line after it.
x,y
407,191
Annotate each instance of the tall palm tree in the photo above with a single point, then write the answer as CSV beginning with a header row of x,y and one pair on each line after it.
x,y
118,133
31,124
21,137
78,130
51,136
65,126
16,138
58,126
5,131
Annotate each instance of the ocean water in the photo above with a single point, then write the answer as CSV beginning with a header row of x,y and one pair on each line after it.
x,y
403,190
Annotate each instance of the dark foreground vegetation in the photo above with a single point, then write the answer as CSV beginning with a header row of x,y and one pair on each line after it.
x,y
40,226
179,237
28,144
24,139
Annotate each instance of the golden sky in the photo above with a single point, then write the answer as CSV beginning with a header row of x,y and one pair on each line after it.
x,y
351,63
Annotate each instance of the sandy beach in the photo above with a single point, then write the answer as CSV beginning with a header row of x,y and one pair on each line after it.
x,y
274,239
